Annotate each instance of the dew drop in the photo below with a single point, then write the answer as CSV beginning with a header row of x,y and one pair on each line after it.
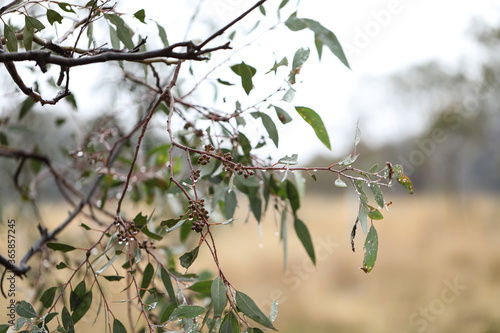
x,y
315,170
282,170
80,154
261,182
120,242
264,170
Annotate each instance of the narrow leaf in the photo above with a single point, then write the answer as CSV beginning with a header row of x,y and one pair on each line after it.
x,y
60,247
146,278
219,297
293,196
67,321
250,309
377,193
165,277
313,119
10,36
274,311
122,30
305,238
370,248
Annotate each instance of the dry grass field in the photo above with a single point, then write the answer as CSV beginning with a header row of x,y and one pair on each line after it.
x,y
438,267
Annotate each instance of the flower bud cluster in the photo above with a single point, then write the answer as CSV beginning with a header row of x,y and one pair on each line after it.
x,y
204,159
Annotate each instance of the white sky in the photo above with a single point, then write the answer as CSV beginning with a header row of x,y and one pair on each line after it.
x,y
386,36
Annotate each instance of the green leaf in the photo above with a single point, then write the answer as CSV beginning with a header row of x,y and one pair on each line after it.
x,y
167,313
370,248
299,59
118,327
283,116
50,316
19,323
374,168
122,30
28,32
293,196
284,237
48,297
188,258
25,309
165,277
4,141
230,324
140,15
113,35
262,10
67,321
4,328
146,278
358,185
225,82
269,125
374,214
202,287
113,277
246,72
219,297
10,36
256,204
53,16
250,309
283,62
363,217
230,203
82,307
322,36
140,220
25,107
244,143
305,238
406,183
66,7
162,34
313,119
187,311
283,4
61,265
150,234
377,193
60,247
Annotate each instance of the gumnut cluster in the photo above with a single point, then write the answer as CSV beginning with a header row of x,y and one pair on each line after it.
x,y
204,159
198,214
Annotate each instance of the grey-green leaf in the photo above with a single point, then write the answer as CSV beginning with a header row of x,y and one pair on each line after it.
x,y
305,238
370,248
187,311
47,297
67,321
60,247
313,119
25,309
251,310
283,116
377,193
246,72
122,30
219,297
165,277
10,36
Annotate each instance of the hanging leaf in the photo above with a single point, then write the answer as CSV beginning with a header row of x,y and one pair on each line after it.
x,y
283,62
188,258
246,72
82,306
377,193
406,182
283,116
146,278
370,248
10,36
274,311
284,237
289,95
47,297
25,309
290,160
374,214
163,35
363,217
348,160
165,277
53,16
256,204
250,309
118,327
305,238
219,297
140,15
353,233
299,59
122,30
322,36
293,196
269,125
67,321
230,324
230,204
313,119
60,247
